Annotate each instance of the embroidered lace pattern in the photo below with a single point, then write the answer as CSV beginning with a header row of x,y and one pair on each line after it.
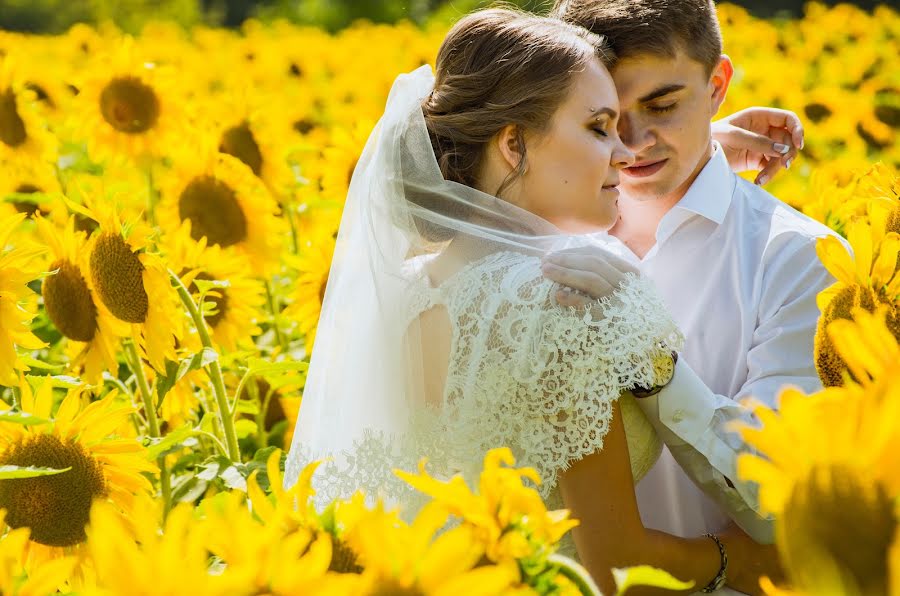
x,y
523,373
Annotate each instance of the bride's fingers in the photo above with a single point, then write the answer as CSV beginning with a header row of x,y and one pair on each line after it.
x,y
590,283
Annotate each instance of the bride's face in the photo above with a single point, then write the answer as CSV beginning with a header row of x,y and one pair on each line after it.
x,y
573,166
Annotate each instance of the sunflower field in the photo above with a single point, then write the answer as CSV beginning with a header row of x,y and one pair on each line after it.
x,y
168,210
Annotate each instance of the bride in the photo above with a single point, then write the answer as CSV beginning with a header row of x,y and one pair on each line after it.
x,y
439,335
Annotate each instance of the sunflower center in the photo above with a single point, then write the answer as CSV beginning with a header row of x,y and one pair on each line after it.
x,y
12,127
117,274
240,142
68,302
56,507
129,105
837,518
218,296
343,559
214,211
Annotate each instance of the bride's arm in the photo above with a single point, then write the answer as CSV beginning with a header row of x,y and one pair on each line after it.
x,y
599,490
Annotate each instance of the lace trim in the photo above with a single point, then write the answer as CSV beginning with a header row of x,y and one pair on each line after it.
x,y
524,373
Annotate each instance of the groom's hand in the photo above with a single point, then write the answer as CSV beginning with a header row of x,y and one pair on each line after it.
x,y
760,139
586,274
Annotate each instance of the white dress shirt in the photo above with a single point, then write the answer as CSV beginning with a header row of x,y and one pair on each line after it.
x,y
739,273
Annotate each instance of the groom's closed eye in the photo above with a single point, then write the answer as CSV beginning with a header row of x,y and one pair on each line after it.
x,y
659,100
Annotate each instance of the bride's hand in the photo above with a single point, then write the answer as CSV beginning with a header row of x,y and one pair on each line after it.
x,y
586,273
760,139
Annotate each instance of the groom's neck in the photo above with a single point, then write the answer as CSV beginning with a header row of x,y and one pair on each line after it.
x,y
639,218
637,223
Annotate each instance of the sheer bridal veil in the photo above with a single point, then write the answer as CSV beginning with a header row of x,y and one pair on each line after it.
x,y
365,376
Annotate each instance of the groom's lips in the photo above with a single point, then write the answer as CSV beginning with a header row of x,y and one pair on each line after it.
x,y
644,168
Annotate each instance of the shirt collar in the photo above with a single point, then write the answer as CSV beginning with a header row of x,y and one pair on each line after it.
x,y
710,194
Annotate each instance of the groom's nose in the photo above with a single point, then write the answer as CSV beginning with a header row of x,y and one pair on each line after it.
x,y
635,133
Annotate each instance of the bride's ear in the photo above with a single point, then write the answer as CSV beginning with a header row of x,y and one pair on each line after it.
x,y
511,143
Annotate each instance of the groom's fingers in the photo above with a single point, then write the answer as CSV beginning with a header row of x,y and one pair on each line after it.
x,y
589,282
588,263
585,257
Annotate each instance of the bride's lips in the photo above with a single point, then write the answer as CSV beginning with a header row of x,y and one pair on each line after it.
x,y
642,169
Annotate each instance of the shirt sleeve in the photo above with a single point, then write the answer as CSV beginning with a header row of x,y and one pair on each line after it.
x,y
694,421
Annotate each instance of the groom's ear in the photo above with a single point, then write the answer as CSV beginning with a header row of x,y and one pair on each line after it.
x,y
719,81
511,143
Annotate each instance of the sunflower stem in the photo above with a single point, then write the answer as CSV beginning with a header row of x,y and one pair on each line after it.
x,y
289,212
270,300
151,196
134,361
577,574
220,447
237,393
214,369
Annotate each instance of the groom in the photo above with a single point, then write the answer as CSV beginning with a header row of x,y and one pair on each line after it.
x,y
736,267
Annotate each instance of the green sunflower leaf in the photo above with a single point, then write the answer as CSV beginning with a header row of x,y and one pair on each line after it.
x,y
11,472
22,418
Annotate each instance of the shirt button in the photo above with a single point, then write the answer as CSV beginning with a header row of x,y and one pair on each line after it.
x,y
678,416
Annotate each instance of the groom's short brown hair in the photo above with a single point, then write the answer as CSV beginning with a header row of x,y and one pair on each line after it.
x,y
659,27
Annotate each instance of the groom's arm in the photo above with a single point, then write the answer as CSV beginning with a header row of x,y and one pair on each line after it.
x,y
695,422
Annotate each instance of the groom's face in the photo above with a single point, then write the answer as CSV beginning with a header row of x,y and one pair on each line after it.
x,y
666,107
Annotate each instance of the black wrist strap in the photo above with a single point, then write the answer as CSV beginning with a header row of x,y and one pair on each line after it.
x,y
719,580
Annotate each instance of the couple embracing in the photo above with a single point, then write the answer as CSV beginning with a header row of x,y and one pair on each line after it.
x,y
545,247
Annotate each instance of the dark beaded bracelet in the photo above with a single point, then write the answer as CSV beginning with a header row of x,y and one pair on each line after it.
x,y
719,580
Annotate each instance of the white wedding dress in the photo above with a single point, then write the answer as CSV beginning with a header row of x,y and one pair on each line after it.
x,y
523,373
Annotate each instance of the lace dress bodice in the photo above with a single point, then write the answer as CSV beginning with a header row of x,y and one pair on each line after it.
x,y
523,373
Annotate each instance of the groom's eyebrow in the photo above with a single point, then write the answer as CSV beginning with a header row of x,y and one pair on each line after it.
x,y
660,92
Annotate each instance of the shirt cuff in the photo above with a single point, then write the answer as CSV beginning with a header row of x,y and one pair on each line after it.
x,y
685,406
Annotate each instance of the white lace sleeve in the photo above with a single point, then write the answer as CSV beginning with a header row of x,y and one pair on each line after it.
x,y
566,369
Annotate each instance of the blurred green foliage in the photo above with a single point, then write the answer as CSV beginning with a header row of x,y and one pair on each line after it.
x,y
55,16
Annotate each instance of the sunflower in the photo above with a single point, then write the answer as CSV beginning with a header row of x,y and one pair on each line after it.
x,y
127,107
17,269
510,519
140,556
236,307
247,127
225,203
827,467
312,265
419,559
72,305
340,157
868,279
15,580
133,283
24,138
36,190
270,558
84,437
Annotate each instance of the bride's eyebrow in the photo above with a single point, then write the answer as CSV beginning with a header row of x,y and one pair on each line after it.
x,y
596,113
661,92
